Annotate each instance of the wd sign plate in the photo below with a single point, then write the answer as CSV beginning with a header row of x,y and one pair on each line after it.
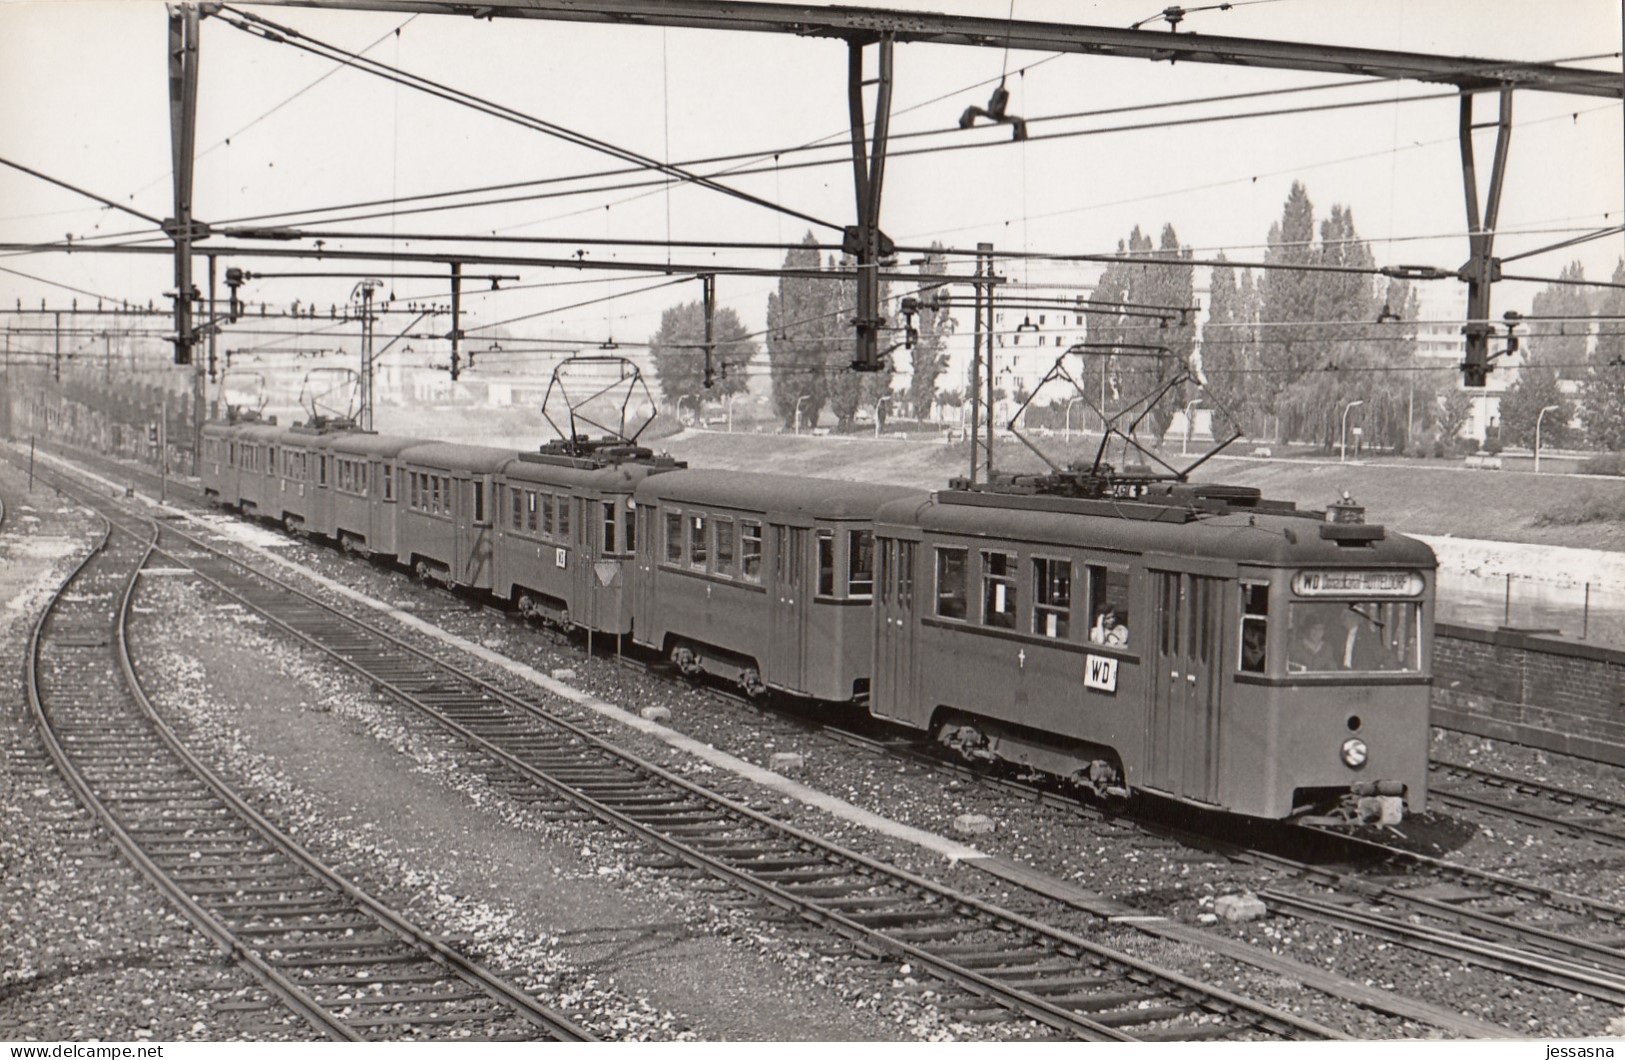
x,y
1357,583
1100,672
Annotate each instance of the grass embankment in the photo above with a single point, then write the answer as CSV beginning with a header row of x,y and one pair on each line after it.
x,y
1416,496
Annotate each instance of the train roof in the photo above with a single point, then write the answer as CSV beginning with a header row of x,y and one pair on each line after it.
x,y
261,432
753,491
613,477
455,456
1265,537
368,443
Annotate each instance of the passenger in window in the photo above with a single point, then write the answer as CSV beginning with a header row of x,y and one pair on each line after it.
x,y
1252,647
1314,651
1109,629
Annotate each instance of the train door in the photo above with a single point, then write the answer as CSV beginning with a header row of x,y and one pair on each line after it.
x,y
473,531
1187,653
894,653
643,602
583,561
791,598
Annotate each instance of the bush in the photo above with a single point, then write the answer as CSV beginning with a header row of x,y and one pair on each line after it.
x,y
1604,464
1587,508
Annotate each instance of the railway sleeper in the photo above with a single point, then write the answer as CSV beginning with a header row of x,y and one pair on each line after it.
x,y
410,999
251,930
411,957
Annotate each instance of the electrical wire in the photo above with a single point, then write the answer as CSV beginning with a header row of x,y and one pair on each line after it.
x,y
81,191
279,34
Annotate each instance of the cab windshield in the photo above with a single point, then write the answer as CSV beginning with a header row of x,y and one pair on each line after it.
x,y
1343,636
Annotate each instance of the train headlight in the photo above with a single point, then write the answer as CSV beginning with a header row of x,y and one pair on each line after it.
x,y
1355,753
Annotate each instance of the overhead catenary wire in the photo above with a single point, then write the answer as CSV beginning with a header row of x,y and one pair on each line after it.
x,y
264,28
826,142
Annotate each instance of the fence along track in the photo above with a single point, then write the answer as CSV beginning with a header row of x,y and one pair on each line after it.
x,y
1003,960
340,959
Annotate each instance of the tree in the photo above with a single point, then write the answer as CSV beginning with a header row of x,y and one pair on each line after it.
x,y
810,344
1561,342
1451,411
1536,388
678,352
799,328
929,357
1603,392
1332,338
1231,358
1289,298
1146,275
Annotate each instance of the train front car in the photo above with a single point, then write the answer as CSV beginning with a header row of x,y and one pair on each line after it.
x,y
1195,642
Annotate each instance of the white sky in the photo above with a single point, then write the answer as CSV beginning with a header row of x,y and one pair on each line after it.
x,y
85,99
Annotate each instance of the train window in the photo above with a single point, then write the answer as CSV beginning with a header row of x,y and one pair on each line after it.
x,y
826,563
951,587
698,552
888,563
270,462
674,537
389,482
1108,605
1330,636
860,563
999,589
609,528
479,500
436,498
563,508
630,544
1052,597
517,517
725,547
750,550
361,476
1255,615
905,574
544,502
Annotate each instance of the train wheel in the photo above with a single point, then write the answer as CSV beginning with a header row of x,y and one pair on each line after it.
x,y
1102,778
527,605
751,681
421,570
967,740
566,624
686,661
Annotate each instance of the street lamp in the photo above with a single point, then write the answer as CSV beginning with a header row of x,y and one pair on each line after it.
x,y
1543,412
1190,425
1343,433
728,404
799,400
883,399
1066,429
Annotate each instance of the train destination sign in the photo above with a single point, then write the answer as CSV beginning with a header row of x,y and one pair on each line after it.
x,y
1357,583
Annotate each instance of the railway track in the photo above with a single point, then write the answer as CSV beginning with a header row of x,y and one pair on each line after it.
x,y
352,967
1600,820
1412,908
1003,963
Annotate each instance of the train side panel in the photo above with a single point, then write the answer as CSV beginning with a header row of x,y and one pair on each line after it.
x,y
763,579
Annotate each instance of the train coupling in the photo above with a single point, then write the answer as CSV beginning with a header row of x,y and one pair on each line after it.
x,y
1379,802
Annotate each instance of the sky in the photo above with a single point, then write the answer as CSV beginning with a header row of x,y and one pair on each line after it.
x,y
84,85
